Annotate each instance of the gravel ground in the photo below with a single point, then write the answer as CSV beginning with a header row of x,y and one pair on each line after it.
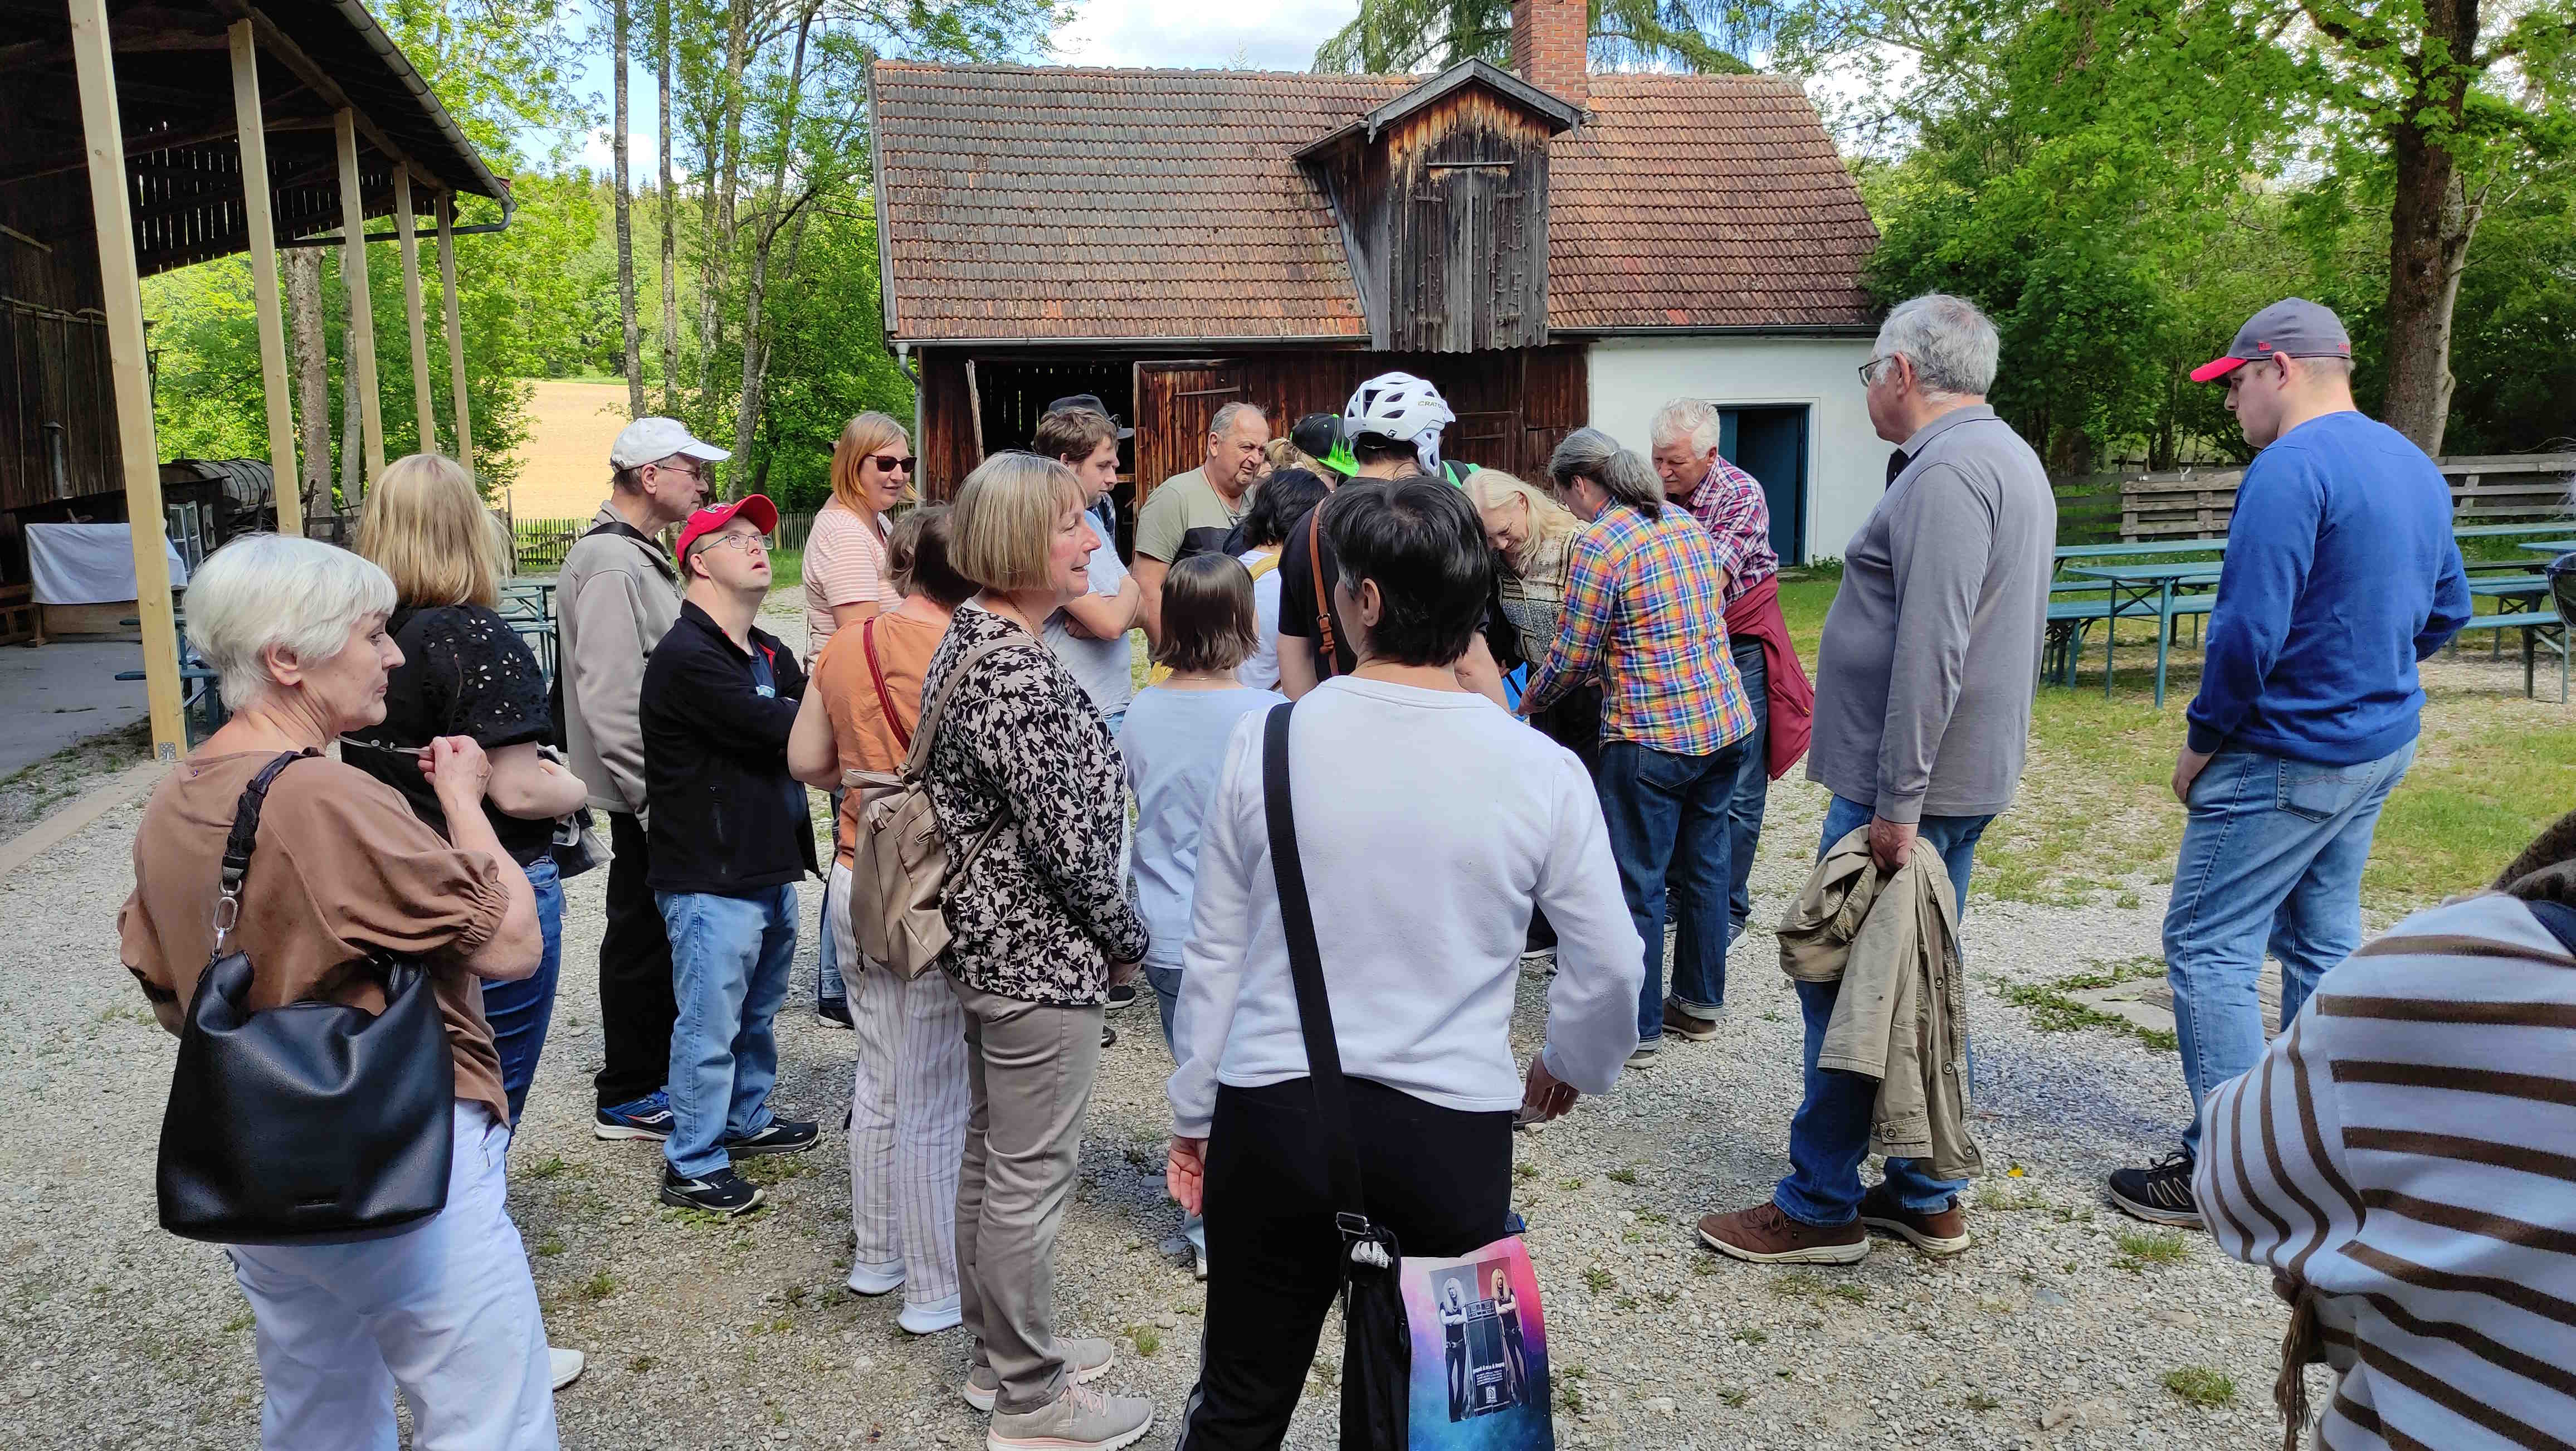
x,y
2058,1329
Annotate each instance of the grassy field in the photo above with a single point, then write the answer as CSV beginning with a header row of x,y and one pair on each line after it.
x,y
563,464
2096,814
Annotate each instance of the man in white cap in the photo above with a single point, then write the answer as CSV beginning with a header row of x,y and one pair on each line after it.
x,y
2340,574
616,596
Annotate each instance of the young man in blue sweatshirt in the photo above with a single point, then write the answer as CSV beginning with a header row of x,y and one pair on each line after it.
x,y
2341,574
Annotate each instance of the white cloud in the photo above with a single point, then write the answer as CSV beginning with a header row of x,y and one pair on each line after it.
x,y
1195,33
643,151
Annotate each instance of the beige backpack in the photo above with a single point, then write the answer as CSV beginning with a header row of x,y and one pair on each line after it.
x,y
901,862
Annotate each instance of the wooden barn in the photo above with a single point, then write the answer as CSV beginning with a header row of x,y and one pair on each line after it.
x,y
1549,247
138,136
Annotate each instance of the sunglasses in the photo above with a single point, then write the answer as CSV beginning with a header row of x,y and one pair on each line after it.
x,y
889,464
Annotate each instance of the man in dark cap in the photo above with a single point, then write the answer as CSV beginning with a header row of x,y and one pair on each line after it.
x,y
2341,574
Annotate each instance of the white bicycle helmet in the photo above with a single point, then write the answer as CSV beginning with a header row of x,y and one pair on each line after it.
x,y
1402,407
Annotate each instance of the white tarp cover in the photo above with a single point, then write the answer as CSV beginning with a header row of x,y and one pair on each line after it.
x,y
88,564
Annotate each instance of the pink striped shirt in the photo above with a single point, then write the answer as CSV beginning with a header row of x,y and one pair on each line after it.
x,y
845,564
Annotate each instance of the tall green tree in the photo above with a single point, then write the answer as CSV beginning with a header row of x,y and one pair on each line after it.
x,y
1397,36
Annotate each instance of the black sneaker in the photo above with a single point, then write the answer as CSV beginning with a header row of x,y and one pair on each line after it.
x,y
722,1192
1121,994
783,1136
1108,1035
2159,1193
835,1012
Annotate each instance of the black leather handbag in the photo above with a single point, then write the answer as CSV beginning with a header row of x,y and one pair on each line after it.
x,y
312,1122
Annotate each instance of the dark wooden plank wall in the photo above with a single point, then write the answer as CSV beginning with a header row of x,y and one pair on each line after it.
x,y
947,443
53,346
1466,227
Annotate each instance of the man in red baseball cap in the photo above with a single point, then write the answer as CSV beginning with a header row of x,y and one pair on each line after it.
x,y
731,837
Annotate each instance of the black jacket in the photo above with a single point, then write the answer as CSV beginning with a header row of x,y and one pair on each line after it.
x,y
726,817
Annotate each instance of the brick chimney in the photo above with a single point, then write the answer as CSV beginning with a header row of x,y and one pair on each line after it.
x,y
1551,42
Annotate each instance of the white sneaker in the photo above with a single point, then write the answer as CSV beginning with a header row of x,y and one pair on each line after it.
x,y
1081,1419
1084,1360
931,1319
868,1281
567,1364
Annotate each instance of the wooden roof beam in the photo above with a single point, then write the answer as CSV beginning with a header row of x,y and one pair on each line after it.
x,y
278,46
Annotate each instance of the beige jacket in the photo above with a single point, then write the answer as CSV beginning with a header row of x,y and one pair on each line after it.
x,y
1901,1016
614,600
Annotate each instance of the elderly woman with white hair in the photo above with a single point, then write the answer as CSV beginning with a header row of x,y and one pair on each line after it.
x,y
1644,613
344,870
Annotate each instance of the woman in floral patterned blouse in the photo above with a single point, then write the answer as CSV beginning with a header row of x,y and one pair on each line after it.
x,y
1041,919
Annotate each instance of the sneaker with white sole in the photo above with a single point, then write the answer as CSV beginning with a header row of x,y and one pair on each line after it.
x,y
648,1117
2159,1193
869,1280
1078,1419
1084,1360
915,1319
566,1365
722,1192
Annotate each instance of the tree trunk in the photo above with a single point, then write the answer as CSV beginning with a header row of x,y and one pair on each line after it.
x,y
723,181
353,462
312,377
2430,224
755,357
670,224
617,149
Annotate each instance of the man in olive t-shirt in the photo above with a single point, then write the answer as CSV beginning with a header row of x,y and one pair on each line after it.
x,y
1191,513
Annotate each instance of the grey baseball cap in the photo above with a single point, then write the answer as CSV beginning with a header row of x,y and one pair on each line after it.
x,y
2291,328
651,440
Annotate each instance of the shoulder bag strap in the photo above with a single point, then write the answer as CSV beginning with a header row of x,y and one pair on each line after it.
x,y
917,759
661,557
1306,969
240,842
1323,596
876,672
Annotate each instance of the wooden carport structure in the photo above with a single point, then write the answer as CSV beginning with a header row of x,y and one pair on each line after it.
x,y
130,133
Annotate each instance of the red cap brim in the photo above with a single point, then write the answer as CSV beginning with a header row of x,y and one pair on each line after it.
x,y
755,507
2215,369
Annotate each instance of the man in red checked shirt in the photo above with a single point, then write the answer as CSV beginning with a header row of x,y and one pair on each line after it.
x,y
1729,503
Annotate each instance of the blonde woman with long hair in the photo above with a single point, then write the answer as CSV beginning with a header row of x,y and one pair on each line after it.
x,y
846,578
465,672
1532,536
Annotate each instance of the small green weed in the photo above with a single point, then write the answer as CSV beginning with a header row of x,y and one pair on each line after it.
x,y
2152,1246
1145,1341
1980,1401
776,1168
1753,1337
599,1286
642,1364
1569,1183
550,1167
1734,1397
550,1245
2201,1386
1525,1170
238,1323
1808,1285
1623,1175
1599,1279
2010,1196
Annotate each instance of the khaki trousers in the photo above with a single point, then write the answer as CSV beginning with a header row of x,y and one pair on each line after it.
x,y
1029,1070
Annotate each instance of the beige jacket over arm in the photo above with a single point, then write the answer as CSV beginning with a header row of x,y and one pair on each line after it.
x,y
1901,1017
614,600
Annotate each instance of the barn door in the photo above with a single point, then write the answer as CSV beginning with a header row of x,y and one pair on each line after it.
x,y
1489,440
1173,404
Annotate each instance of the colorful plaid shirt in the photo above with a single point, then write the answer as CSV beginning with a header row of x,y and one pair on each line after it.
x,y
1642,612
1730,502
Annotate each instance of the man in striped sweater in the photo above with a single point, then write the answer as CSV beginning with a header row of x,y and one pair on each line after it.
x,y
2403,1160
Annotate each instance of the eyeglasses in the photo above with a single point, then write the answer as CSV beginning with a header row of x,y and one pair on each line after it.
x,y
747,543
889,464
1869,371
698,474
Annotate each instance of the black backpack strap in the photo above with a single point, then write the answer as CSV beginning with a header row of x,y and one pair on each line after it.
x,y
1306,969
653,547
240,841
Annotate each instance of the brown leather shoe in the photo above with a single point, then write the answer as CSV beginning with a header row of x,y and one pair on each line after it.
x,y
1679,1024
1940,1234
1765,1236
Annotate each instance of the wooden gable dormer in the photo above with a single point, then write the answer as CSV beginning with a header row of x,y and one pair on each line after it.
x,y
1441,194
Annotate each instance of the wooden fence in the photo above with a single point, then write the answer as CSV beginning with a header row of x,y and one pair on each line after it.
x,y
2197,503
542,543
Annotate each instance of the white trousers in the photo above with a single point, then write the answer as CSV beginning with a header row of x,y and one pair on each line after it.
x,y
447,1312
908,1102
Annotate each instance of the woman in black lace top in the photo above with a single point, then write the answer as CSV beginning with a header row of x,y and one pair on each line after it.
x,y
465,672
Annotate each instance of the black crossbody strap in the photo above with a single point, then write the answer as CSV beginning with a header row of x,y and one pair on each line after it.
x,y
240,842
661,557
1306,969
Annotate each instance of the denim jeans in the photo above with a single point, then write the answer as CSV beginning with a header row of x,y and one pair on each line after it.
x,y
827,943
1667,816
2272,854
729,961
520,1012
1829,1139
1166,982
1752,786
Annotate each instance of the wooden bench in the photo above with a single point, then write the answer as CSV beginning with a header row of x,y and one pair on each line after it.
x,y
2070,619
2541,629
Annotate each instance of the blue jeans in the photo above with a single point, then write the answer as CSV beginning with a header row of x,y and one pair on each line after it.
x,y
729,961
1829,1139
1752,786
1166,982
1667,816
521,1011
827,952
2271,855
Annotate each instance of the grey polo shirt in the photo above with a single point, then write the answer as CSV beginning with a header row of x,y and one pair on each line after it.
x,y
1931,651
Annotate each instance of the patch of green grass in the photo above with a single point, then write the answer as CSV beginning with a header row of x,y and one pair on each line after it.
x,y
1145,1341
1980,1401
1569,1183
2201,1386
2152,1246
1628,1302
642,1364
786,569
1599,1279
1525,1170
2053,1008
599,1286
1733,1396
550,1246
239,1323
2010,1196
1808,1285
1704,1267
1623,1175
550,1167
775,1168
1753,1337
1570,1397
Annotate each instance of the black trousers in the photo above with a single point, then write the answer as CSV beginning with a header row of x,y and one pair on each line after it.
x,y
636,1008
1440,1179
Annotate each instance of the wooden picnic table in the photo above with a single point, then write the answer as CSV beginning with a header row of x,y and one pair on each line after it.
x,y
2551,547
2137,584
2507,531
2152,550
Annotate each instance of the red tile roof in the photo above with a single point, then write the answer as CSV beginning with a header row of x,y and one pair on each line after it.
x,y
1021,202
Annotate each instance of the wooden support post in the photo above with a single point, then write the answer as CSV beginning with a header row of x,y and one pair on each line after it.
x,y
409,240
362,312
94,62
455,332
286,483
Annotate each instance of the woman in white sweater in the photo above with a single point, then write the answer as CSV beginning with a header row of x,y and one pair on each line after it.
x,y
1429,822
